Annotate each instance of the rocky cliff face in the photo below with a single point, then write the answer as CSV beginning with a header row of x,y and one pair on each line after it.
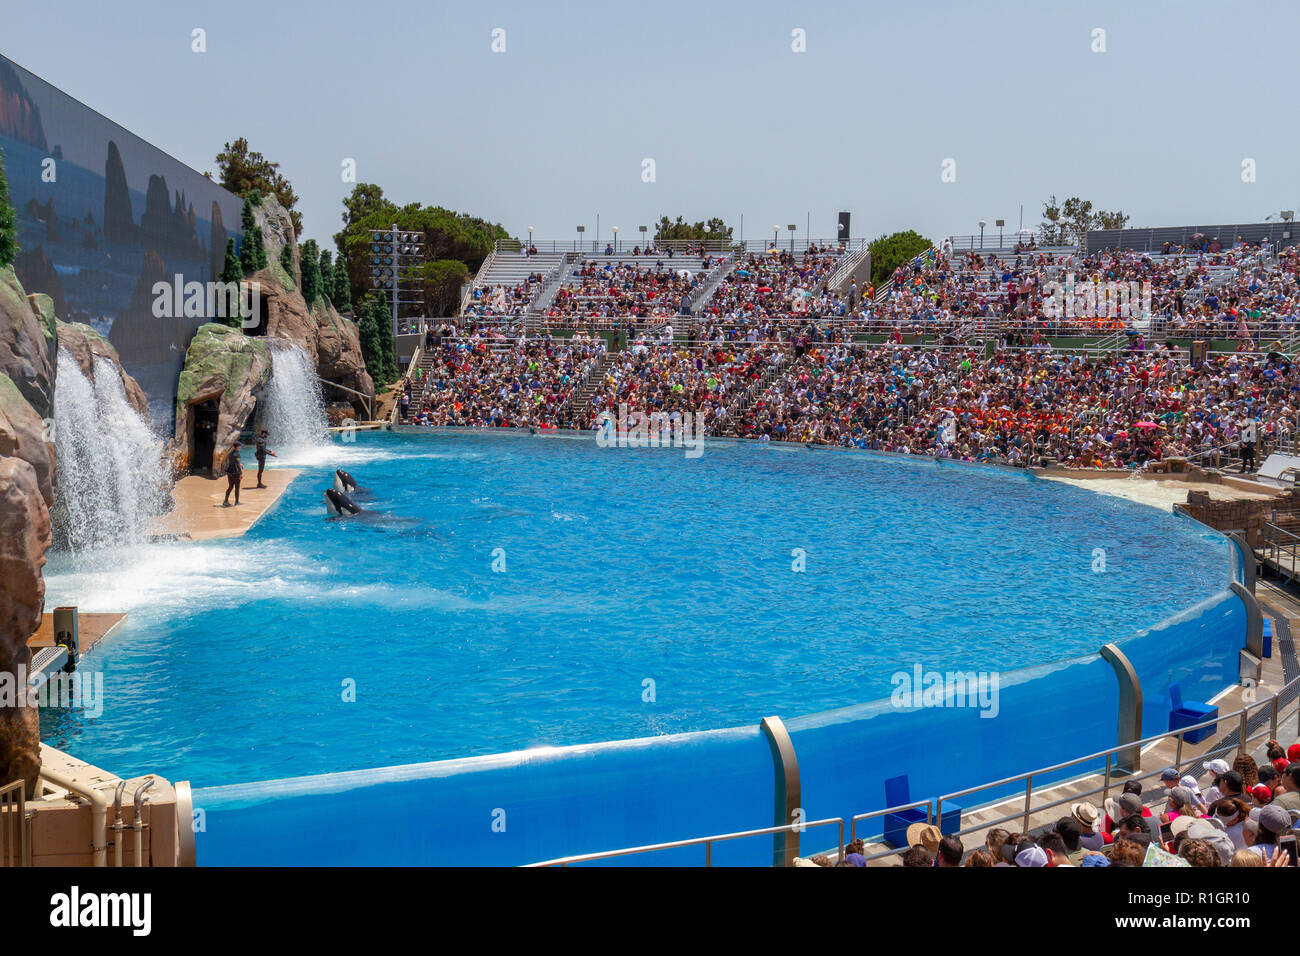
x,y
221,363
27,343
84,344
27,488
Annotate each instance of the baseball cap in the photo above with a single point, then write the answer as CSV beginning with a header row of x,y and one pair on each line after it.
x,y
1032,855
1169,773
1274,818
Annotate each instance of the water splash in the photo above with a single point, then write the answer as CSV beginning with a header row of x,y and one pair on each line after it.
x,y
113,484
294,413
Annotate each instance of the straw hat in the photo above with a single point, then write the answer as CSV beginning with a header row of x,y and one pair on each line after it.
x,y
924,834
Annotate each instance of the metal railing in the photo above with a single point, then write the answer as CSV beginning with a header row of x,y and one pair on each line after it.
x,y
706,842
848,263
15,828
875,814
1278,543
1273,706
623,246
1275,709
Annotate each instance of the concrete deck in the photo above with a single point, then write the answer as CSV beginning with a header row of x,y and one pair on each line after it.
x,y
91,629
199,515
1163,491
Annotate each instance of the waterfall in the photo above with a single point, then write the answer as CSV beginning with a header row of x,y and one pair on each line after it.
x,y
112,483
294,413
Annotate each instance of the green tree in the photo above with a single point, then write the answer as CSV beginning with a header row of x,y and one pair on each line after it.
x,y
441,283
446,234
1069,222
327,275
252,248
342,288
372,347
384,321
233,270
311,280
888,252
715,228
243,171
232,273
8,223
286,258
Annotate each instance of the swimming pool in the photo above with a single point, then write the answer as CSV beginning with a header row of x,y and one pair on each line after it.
x,y
638,593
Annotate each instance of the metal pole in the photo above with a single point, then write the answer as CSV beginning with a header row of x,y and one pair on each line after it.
x,y
397,268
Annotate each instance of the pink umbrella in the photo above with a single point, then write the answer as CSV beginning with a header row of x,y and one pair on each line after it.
x,y
1147,425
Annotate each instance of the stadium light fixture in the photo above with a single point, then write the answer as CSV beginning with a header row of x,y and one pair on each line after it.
x,y
982,225
616,240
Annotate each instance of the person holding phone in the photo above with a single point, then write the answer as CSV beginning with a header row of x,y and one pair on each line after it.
x,y
1274,827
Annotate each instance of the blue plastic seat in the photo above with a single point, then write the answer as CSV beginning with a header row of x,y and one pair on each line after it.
x,y
897,792
1186,713
1268,638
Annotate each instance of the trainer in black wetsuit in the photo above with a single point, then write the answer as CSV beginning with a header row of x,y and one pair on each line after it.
x,y
261,451
234,474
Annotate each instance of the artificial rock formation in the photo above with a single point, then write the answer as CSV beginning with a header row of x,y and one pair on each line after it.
x,y
27,488
27,343
224,364
329,339
84,344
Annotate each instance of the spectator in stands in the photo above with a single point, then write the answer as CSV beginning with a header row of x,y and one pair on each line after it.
x,y
1287,793
949,852
1273,823
1058,849
1085,816
918,856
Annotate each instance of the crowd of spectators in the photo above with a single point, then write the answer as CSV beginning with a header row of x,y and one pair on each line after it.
x,y
595,291
1025,406
1016,406
1244,817
670,378
484,379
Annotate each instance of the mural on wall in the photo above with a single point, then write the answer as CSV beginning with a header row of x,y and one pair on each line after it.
x,y
102,216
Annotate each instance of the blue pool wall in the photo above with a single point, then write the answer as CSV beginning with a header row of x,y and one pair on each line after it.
x,y
532,805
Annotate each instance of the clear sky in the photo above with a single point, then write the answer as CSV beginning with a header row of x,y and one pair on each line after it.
x,y
556,129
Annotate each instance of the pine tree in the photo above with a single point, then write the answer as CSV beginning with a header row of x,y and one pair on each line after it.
x,y
372,347
286,258
259,248
342,287
327,275
8,227
247,249
232,272
384,320
311,279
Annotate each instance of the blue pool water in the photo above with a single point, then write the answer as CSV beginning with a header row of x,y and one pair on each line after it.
x,y
621,567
